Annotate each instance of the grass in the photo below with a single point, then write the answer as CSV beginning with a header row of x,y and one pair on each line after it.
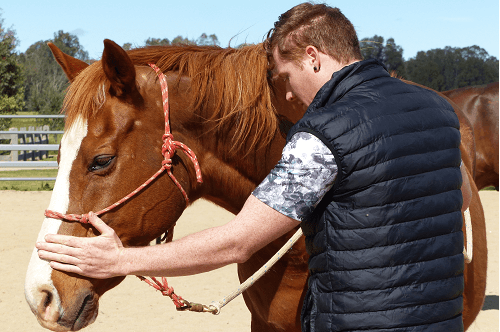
x,y
28,185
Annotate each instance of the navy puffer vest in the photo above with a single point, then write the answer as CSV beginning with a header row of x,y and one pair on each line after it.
x,y
386,242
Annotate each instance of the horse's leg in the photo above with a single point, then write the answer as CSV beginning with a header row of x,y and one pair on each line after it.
x,y
282,314
475,272
257,325
276,299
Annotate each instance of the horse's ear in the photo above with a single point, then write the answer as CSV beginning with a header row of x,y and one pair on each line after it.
x,y
71,66
118,68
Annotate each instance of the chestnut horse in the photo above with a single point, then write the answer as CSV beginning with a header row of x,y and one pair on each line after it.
x,y
480,105
222,106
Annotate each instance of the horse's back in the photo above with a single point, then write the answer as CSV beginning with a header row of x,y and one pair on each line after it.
x,y
480,106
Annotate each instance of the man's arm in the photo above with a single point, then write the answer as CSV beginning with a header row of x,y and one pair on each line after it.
x,y
104,256
306,171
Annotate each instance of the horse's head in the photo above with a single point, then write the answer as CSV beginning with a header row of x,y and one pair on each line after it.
x,y
112,144
222,107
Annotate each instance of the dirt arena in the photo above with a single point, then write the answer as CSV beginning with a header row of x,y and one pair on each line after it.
x,y
134,306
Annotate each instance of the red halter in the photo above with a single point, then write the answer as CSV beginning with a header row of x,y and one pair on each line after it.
x,y
168,150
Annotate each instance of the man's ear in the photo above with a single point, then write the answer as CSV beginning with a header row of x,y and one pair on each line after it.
x,y
313,56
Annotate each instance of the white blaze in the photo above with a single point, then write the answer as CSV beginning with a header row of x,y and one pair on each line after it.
x,y
38,277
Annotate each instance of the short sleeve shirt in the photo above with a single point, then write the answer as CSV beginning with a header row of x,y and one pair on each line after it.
x,y
304,174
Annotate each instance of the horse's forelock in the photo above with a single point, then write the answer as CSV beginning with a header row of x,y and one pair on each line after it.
x,y
85,95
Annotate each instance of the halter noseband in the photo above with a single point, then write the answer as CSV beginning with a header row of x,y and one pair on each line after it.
x,y
168,150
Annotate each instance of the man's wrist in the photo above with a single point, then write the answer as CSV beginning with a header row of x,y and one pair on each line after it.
x,y
123,266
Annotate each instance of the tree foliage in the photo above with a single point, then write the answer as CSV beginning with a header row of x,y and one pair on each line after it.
x,y
45,80
452,68
11,76
390,54
203,40
157,42
440,69
210,40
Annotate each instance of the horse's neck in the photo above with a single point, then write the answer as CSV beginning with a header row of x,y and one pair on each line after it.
x,y
229,182
228,178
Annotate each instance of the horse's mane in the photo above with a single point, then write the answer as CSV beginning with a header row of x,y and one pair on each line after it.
x,y
232,81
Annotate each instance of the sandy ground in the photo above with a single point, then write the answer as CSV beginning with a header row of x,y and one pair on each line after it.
x,y
134,306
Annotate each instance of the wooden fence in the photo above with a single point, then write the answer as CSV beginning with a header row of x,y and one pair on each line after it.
x,y
28,148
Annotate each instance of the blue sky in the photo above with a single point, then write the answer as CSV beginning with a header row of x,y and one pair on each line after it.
x,y
415,25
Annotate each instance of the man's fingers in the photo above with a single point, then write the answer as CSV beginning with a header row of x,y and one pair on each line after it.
x,y
53,247
65,267
99,224
62,258
61,239
57,249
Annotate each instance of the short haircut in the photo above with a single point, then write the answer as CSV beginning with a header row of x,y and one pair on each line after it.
x,y
319,25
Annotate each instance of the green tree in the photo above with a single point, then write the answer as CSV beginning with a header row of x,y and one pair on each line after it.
x,y
179,40
70,44
157,42
372,48
211,40
394,60
11,76
390,54
45,80
203,40
452,68
475,67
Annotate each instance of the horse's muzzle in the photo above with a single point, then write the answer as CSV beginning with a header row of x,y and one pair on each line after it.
x,y
72,317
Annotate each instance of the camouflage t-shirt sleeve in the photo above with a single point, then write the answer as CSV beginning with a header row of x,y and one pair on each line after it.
x,y
305,173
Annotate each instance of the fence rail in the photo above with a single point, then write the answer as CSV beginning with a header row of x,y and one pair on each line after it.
x,y
28,144
59,116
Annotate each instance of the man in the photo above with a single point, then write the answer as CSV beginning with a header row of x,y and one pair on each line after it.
x,y
371,173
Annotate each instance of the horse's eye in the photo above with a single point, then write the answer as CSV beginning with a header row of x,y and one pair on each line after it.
x,y
100,162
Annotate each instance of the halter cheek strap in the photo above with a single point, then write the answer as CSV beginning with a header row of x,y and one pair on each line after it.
x,y
168,150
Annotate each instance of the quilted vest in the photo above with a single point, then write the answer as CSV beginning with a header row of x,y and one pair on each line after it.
x,y
386,242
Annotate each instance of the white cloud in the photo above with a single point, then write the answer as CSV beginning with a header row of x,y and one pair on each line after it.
x,y
79,32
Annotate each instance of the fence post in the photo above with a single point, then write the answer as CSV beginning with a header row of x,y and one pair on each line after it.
x,y
14,138
22,140
37,139
12,156
31,141
45,140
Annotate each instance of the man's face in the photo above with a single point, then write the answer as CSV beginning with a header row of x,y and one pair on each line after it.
x,y
300,81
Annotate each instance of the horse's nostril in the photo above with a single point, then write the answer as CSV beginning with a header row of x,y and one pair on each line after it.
x,y
47,309
46,299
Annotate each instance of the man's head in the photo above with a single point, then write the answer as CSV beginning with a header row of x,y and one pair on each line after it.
x,y
307,45
318,25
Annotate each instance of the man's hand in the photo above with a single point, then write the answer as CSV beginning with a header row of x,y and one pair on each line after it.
x,y
95,257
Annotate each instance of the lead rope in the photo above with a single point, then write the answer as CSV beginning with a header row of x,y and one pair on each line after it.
x,y
215,306
468,237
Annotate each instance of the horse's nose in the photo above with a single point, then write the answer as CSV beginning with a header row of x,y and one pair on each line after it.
x,y
81,311
45,305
